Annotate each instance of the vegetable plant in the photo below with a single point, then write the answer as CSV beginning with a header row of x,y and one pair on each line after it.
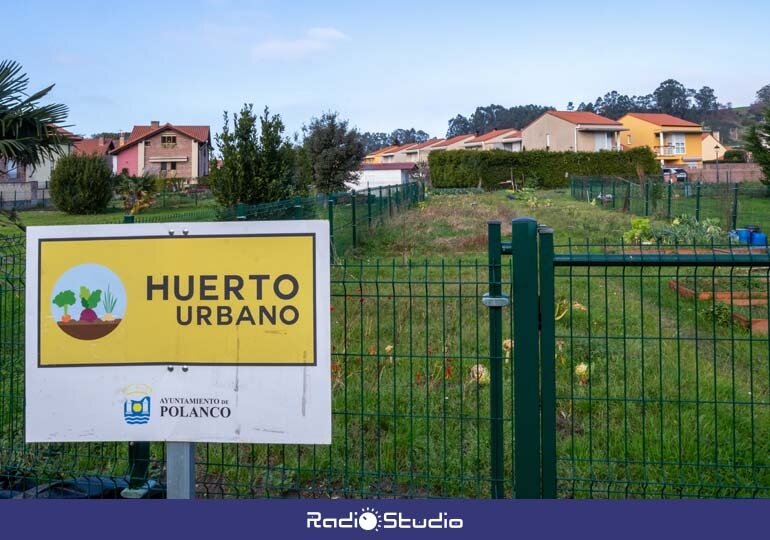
x,y
108,302
65,299
89,300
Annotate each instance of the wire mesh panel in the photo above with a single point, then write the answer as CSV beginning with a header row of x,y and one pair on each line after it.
x,y
410,396
662,369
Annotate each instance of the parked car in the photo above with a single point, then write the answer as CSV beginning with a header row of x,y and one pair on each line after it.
x,y
674,174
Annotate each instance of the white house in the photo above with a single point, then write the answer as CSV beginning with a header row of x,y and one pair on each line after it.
x,y
375,175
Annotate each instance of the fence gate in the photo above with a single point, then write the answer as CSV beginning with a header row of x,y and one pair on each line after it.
x,y
639,371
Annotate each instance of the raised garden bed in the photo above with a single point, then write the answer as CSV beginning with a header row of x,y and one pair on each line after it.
x,y
752,318
706,292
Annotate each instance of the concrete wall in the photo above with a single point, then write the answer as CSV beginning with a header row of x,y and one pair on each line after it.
x,y
42,171
127,159
375,179
536,135
23,195
732,172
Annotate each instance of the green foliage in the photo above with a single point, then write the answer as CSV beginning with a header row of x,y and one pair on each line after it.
x,y
137,192
734,156
491,117
682,230
109,301
28,133
90,299
465,168
81,184
758,143
258,163
65,299
639,232
334,151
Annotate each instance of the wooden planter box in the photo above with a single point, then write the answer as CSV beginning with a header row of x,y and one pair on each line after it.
x,y
737,298
757,326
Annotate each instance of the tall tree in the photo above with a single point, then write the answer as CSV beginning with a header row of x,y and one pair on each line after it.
x,y
705,103
258,162
762,100
673,98
493,116
28,133
334,150
758,143
276,158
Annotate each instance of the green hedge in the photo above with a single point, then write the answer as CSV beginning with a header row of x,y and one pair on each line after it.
x,y
470,168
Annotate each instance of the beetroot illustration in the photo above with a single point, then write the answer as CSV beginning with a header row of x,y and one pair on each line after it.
x,y
89,300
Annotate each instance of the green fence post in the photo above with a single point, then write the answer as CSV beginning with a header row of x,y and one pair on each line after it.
x,y
697,201
331,223
548,362
298,210
495,301
390,204
614,184
369,206
526,359
668,202
240,211
128,218
735,207
353,215
646,197
379,204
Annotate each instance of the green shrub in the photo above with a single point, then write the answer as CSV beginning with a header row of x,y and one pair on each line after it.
x,y
489,169
81,184
734,156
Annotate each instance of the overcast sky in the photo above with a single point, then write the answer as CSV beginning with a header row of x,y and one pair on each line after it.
x,y
383,65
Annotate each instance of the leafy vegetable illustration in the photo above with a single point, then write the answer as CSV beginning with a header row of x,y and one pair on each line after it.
x,y
89,300
63,300
109,301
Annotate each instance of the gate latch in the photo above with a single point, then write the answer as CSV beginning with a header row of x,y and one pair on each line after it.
x,y
494,301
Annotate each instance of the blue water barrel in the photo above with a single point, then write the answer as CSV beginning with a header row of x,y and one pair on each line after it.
x,y
758,239
744,235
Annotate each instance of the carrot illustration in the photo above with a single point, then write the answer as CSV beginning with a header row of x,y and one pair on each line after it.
x,y
65,299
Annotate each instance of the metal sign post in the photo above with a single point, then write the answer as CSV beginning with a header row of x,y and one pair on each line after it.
x,y
180,470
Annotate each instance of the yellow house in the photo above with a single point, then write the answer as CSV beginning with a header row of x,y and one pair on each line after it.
x,y
711,147
675,142
376,156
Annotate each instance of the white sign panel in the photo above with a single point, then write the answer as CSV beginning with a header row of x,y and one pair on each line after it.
x,y
187,332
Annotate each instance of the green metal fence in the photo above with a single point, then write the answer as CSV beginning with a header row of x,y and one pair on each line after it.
x,y
573,370
734,205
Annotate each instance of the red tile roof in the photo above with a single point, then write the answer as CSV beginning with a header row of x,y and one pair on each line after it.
x,y
399,148
429,142
388,166
660,119
584,117
99,146
492,134
383,150
452,140
140,133
71,136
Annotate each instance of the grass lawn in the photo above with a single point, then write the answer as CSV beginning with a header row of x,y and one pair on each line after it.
x,y
670,401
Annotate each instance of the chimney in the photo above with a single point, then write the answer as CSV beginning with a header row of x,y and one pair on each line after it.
x,y
154,123
716,135
121,139
101,140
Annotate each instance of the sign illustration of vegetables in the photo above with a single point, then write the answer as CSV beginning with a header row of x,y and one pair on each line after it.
x,y
89,300
65,299
89,325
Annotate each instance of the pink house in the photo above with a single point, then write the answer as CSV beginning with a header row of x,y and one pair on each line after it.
x,y
166,150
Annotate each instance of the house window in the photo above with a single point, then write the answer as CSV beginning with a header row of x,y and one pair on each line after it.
x,y
677,141
602,141
168,169
508,146
168,141
628,139
147,143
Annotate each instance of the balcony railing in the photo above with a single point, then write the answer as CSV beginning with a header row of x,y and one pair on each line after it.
x,y
670,150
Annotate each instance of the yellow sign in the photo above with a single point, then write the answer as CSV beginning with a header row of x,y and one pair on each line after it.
x,y
213,300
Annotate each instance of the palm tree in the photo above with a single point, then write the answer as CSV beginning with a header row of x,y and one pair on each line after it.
x,y
28,130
